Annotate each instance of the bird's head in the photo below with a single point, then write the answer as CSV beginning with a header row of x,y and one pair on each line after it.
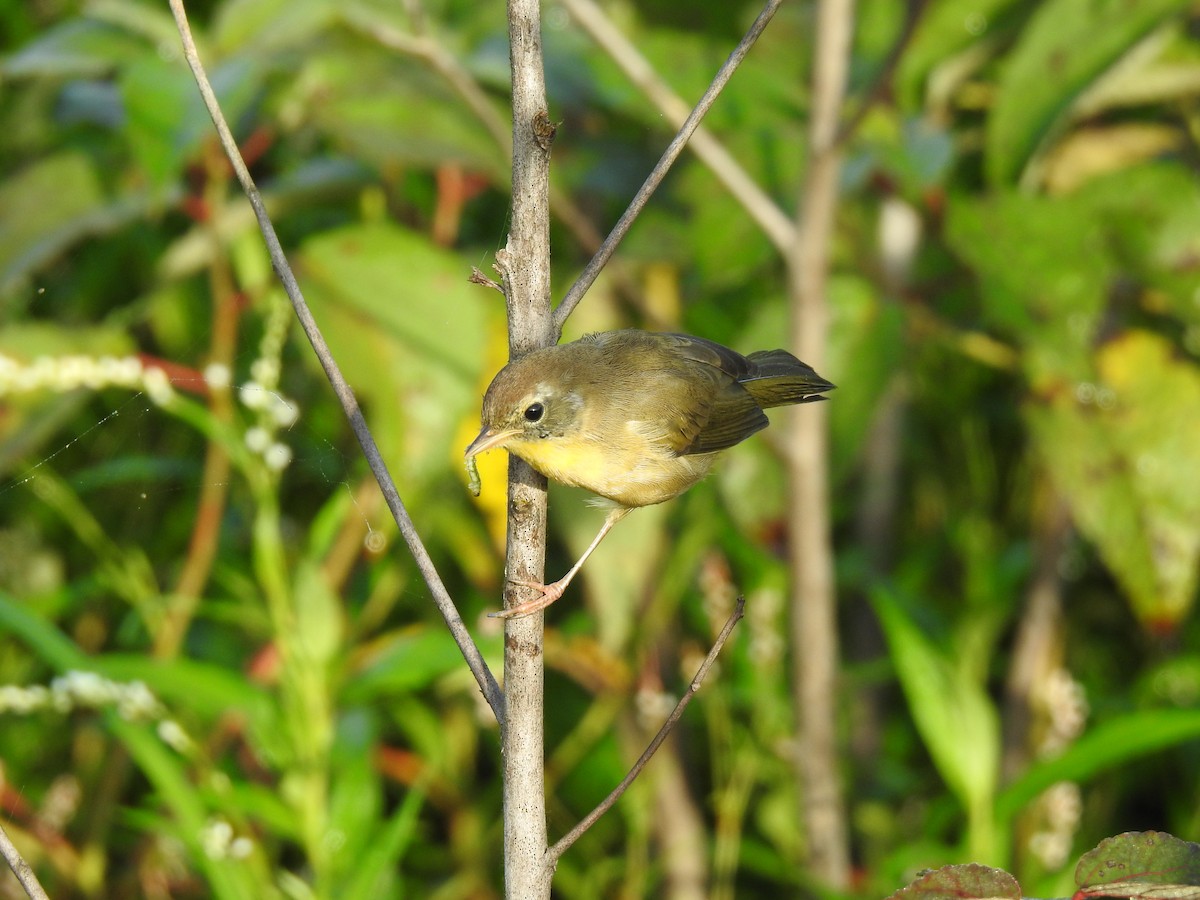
x,y
530,401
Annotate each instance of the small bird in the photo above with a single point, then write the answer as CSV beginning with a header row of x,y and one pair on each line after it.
x,y
635,417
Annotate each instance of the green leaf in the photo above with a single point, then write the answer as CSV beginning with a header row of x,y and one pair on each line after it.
x,y
28,340
954,715
946,31
403,663
387,114
407,330
42,637
202,688
867,339
75,48
1065,47
370,877
1106,746
261,802
1125,453
43,209
226,879
399,281
154,24
167,121
268,26
355,792
320,623
1043,269
1151,216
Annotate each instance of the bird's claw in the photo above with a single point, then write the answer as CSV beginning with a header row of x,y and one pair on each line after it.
x,y
549,593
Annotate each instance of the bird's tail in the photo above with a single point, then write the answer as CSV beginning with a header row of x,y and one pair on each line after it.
x,y
777,378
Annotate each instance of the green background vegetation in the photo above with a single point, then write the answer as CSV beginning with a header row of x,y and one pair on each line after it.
x,y
1015,444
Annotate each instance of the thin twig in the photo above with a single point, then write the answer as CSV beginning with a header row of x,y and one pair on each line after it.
x,y
20,868
883,78
757,203
588,277
441,597
477,277
590,819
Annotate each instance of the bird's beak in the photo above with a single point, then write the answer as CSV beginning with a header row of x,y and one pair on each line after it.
x,y
487,440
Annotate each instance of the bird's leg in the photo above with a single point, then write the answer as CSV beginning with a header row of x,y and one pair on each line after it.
x,y
551,592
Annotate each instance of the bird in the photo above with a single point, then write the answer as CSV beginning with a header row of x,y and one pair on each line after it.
x,y
635,417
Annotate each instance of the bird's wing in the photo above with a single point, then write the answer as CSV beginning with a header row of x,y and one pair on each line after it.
x,y
733,416
777,378
711,411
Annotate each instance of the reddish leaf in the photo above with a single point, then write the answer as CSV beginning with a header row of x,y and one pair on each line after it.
x,y
1146,864
969,882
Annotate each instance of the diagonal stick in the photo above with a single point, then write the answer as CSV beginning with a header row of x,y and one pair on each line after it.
x,y
588,276
553,854
441,597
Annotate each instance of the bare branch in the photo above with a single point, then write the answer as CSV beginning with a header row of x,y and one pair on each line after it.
x,y
761,208
1038,646
20,868
913,11
814,596
591,818
524,267
441,597
588,277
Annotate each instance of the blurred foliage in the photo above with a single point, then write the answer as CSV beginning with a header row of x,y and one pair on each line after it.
x,y
1016,339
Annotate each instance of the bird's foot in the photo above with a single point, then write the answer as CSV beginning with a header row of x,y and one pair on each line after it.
x,y
549,592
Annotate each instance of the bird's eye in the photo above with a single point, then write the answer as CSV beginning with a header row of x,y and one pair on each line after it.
x,y
534,412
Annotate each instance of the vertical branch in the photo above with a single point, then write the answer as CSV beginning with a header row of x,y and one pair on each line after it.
x,y
1038,647
524,265
814,625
